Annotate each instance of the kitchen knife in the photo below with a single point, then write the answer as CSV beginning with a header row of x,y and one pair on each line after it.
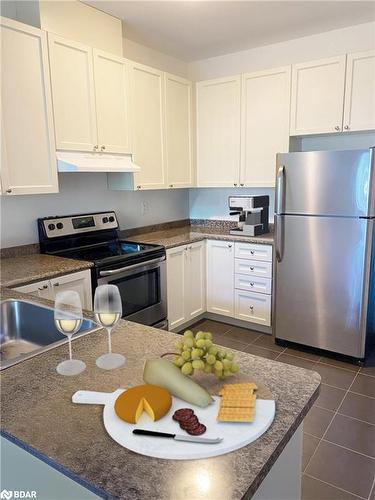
x,y
177,437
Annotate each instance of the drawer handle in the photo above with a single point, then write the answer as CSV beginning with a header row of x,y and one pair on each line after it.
x,y
251,308
252,252
229,246
251,284
44,287
251,268
56,284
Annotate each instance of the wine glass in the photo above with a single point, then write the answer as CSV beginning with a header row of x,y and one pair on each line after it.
x,y
68,320
108,311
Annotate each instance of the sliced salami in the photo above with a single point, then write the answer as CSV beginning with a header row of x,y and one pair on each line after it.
x,y
190,422
201,429
183,414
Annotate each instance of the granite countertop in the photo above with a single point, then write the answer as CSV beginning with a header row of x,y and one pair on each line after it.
x,y
37,413
16,271
189,234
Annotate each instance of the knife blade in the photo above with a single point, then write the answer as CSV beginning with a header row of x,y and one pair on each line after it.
x,y
177,437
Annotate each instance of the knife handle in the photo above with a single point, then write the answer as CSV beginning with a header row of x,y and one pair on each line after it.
x,y
145,432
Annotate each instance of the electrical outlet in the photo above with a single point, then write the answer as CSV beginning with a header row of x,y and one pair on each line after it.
x,y
145,207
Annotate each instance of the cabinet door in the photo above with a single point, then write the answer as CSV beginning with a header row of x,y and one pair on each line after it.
x,y
39,289
218,131
80,282
359,109
265,124
73,95
177,260
220,277
111,76
178,128
317,96
196,279
147,97
27,140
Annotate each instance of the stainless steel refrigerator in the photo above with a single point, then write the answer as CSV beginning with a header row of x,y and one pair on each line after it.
x,y
324,265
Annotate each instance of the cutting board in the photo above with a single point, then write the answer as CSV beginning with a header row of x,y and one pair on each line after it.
x,y
235,435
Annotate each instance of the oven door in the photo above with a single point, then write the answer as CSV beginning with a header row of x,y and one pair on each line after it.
x,y
143,290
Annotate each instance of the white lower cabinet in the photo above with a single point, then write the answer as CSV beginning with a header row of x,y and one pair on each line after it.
x,y
47,289
254,307
220,277
186,283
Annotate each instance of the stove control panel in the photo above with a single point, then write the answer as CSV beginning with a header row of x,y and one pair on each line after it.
x,y
68,225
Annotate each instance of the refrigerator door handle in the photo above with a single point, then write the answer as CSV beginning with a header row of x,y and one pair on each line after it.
x,y
279,237
280,189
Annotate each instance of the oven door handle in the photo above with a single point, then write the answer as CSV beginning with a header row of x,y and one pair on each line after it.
x,y
133,266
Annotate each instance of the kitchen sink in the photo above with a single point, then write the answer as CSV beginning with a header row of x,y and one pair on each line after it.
x,y
27,329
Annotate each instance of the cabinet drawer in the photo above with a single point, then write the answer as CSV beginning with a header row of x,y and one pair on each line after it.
x,y
253,307
253,283
253,268
252,251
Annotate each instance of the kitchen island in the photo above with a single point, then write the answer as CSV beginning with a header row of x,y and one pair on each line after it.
x,y
37,414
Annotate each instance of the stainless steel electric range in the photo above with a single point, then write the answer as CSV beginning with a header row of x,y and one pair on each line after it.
x,y
138,270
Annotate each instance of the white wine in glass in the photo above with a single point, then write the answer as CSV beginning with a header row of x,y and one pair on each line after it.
x,y
108,311
68,320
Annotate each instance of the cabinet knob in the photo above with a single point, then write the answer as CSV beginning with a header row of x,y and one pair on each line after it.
x,y
96,147
252,252
102,148
44,287
242,184
171,185
229,246
139,187
8,191
251,268
251,308
337,128
346,127
235,184
251,284
56,284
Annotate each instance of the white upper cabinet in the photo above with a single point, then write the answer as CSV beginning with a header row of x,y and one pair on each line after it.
x,y
178,131
27,140
112,107
264,125
73,94
359,110
318,96
218,131
147,118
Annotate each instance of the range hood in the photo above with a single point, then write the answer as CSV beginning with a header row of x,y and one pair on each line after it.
x,y
68,161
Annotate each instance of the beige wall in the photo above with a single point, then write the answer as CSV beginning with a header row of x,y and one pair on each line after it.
x,y
330,43
146,55
80,22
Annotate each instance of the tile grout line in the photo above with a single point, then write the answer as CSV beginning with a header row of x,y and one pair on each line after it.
x,y
372,489
329,425
349,449
343,415
333,486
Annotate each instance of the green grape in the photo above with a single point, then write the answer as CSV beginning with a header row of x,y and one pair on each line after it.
x,y
200,343
178,345
200,335
234,368
208,343
187,369
213,350
211,360
179,361
189,342
219,373
227,364
198,364
188,334
227,373
185,348
218,366
207,368
186,355
208,336
230,356
195,354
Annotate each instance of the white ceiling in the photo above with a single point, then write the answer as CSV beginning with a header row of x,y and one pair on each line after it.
x,y
192,30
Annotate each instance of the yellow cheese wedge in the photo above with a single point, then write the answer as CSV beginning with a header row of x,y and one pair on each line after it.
x,y
152,399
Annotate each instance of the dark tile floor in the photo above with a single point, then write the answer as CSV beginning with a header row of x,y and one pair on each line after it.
x,y
339,431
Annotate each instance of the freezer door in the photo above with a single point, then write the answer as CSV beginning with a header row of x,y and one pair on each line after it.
x,y
326,183
321,280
